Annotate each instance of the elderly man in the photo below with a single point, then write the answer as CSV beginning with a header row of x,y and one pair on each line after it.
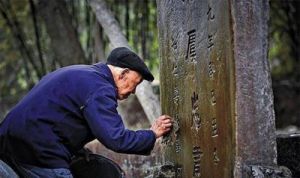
x,y
72,106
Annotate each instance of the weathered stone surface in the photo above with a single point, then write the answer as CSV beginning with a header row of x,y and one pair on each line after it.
x,y
255,120
196,86
257,171
164,171
215,82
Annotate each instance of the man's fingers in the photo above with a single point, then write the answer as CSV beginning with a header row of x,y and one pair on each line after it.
x,y
168,125
162,125
167,121
164,117
167,129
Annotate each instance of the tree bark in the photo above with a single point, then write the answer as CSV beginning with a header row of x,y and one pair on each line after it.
x,y
99,44
147,98
37,37
64,41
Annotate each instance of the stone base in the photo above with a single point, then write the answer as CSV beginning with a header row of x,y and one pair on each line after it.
x,y
167,170
257,171
249,171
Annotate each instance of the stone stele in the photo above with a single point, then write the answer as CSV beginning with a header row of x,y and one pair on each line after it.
x,y
215,83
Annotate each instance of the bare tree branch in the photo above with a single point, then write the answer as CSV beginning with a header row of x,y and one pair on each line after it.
x,y
37,36
18,34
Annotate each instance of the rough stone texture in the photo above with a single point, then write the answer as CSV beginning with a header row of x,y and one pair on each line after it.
x,y
215,82
255,171
255,120
288,147
196,88
165,171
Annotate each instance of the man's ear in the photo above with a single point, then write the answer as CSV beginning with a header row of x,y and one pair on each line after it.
x,y
124,72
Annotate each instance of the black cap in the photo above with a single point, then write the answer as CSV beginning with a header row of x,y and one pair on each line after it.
x,y
125,58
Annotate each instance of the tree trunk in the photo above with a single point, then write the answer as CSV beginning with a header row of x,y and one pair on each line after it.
x,y
37,37
64,41
99,44
147,98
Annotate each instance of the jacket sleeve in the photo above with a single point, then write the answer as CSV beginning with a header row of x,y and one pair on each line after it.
x,y
107,126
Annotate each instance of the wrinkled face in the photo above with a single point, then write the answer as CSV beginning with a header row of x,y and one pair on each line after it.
x,y
127,82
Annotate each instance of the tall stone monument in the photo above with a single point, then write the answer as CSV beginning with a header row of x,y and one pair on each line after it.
x,y
215,83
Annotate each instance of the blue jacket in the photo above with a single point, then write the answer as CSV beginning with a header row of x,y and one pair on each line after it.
x,y
65,110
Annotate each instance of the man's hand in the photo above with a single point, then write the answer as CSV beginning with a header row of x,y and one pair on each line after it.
x,y
162,125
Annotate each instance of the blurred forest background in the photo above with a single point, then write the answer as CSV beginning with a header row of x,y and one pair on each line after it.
x,y
39,36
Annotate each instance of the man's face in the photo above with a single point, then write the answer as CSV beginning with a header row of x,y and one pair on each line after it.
x,y
127,83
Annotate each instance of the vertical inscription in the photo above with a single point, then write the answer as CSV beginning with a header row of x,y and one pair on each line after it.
x,y
212,41
216,158
197,154
210,38
213,61
195,115
191,50
214,127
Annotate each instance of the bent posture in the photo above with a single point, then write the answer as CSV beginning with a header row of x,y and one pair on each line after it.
x,y
72,106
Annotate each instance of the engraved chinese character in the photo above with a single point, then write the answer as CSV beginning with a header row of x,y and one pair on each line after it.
x,y
178,172
177,146
213,99
175,70
210,41
194,99
216,159
197,154
210,14
211,69
174,40
176,96
174,44
191,51
196,121
195,115
214,127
